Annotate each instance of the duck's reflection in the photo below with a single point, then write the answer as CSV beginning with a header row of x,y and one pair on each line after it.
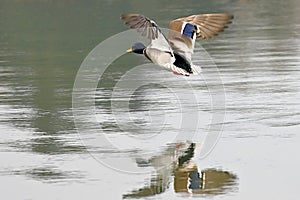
x,y
176,165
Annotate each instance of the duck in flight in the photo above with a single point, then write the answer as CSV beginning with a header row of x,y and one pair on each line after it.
x,y
175,51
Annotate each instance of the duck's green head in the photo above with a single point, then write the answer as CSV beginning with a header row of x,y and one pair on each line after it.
x,y
137,48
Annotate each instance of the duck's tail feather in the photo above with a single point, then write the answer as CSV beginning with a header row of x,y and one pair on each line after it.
x,y
196,69
176,70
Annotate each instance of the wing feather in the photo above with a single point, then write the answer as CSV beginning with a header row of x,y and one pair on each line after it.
x,y
144,25
208,26
148,28
207,21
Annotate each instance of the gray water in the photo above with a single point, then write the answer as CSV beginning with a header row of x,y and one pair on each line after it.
x,y
44,155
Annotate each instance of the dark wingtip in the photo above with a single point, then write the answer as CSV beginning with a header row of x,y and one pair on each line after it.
x,y
231,16
122,16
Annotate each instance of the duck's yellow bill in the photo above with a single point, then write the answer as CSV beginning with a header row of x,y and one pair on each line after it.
x,y
129,50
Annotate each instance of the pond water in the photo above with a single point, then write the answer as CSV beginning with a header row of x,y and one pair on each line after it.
x,y
58,141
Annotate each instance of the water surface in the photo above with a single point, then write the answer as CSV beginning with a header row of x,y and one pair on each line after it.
x,y
44,156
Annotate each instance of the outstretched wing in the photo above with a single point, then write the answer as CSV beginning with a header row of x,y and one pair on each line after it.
x,y
208,25
149,29
144,25
184,31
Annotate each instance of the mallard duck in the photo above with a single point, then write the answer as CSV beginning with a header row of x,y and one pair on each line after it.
x,y
175,51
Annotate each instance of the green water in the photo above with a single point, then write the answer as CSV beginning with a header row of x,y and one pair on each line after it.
x,y
42,45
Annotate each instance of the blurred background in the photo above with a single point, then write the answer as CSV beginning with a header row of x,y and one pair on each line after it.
x,y
44,42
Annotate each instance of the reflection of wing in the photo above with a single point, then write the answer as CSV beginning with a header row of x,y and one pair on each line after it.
x,y
184,31
164,165
149,29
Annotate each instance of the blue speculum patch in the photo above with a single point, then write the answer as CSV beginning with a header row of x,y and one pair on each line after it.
x,y
189,30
